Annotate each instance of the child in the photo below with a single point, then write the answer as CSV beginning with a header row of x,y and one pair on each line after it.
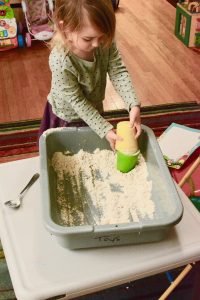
x,y
83,53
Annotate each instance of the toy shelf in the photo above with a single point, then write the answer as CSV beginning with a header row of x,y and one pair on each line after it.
x,y
187,26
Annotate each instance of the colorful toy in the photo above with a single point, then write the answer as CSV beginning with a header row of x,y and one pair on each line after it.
x,y
38,16
127,149
9,37
187,27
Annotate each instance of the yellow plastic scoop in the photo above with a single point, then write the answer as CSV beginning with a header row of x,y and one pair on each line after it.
x,y
127,149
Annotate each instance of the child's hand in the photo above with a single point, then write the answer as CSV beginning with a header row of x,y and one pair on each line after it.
x,y
112,137
135,120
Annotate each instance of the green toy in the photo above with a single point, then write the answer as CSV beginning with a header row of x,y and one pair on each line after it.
x,y
126,163
127,148
187,27
9,35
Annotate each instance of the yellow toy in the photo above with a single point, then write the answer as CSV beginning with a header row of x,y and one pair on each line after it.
x,y
127,149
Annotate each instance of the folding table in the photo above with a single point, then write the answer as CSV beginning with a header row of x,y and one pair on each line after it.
x,y
40,268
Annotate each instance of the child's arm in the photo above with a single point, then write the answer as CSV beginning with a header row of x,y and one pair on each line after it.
x,y
68,101
121,81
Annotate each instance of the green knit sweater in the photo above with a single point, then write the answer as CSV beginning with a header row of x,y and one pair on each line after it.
x,y
78,86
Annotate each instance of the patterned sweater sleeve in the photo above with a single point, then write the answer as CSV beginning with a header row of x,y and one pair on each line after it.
x,y
71,95
120,78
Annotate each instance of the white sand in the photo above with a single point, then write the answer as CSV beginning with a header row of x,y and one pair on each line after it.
x,y
116,197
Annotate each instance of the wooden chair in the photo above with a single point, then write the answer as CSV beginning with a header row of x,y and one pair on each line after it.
x,y
186,178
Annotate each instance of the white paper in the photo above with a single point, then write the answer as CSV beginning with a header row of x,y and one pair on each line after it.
x,y
178,141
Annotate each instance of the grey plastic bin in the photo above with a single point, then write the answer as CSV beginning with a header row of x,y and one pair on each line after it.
x,y
168,205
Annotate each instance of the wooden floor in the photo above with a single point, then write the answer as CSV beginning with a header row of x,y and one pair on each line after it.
x,y
162,68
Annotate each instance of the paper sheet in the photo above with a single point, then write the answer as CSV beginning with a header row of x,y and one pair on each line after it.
x,y
177,143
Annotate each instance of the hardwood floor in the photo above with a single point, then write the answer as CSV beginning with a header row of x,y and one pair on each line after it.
x,y
25,81
163,69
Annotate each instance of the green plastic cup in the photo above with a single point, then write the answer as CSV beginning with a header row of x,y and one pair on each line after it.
x,y
125,162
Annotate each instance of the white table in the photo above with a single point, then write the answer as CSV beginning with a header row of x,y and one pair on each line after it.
x,y
40,268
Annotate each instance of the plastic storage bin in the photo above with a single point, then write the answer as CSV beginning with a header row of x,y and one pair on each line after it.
x,y
168,206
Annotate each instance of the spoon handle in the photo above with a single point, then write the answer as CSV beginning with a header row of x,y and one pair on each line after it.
x,y
32,180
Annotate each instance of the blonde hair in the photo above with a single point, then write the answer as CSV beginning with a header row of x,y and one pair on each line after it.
x,y
70,13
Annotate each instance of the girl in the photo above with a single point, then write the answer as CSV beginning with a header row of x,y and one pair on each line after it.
x,y
83,52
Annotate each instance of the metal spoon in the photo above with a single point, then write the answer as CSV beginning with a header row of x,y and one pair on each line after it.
x,y
16,203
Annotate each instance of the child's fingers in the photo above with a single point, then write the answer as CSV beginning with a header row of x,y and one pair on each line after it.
x,y
138,131
118,138
114,136
112,145
131,121
114,140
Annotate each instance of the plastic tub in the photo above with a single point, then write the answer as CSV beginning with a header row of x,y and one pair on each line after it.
x,y
168,206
